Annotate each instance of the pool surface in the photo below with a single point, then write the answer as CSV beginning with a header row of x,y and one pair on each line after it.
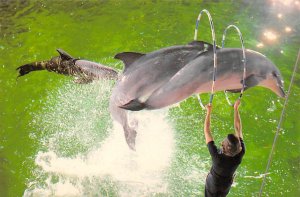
x,y
57,137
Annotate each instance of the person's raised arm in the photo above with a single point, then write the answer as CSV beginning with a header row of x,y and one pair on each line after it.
x,y
237,120
207,132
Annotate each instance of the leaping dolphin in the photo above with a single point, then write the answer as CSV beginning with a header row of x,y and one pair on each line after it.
x,y
145,73
170,75
196,77
85,71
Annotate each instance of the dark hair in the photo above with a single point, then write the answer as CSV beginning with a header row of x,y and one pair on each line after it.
x,y
234,144
233,139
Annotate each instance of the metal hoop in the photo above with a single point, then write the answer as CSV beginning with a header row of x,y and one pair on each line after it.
x,y
244,59
215,54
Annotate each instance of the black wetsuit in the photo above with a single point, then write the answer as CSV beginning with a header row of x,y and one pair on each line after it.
x,y
220,178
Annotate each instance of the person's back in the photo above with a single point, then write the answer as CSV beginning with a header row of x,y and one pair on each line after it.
x,y
226,160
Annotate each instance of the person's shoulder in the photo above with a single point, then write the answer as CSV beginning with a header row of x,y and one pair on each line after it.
x,y
211,144
241,140
212,148
243,147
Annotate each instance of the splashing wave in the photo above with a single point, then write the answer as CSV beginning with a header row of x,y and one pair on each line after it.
x,y
84,154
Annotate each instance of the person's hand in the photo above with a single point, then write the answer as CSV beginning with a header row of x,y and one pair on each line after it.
x,y
208,108
237,104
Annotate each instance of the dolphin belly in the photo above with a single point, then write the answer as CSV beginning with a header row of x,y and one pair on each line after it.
x,y
95,70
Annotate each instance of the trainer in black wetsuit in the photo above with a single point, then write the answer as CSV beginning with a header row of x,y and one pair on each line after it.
x,y
224,160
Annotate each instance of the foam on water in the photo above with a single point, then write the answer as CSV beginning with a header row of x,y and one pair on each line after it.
x,y
107,167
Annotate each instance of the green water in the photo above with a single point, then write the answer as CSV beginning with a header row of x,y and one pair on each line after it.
x,y
44,112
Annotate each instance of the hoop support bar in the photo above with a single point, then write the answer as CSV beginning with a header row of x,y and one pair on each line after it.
x,y
214,51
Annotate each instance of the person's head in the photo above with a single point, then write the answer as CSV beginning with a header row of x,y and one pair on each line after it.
x,y
231,145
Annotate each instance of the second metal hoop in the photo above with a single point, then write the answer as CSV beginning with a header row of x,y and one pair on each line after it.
x,y
244,59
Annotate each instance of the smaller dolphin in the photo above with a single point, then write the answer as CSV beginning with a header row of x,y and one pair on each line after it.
x,y
85,71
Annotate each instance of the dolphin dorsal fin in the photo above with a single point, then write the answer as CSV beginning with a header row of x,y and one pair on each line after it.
x,y
203,45
64,55
128,58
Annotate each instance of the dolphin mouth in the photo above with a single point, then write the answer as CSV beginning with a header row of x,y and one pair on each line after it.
x,y
281,92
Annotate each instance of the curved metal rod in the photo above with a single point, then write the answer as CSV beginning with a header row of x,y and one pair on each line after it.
x,y
279,125
244,59
214,50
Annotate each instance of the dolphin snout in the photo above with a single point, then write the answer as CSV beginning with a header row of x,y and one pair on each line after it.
x,y
279,83
275,84
281,92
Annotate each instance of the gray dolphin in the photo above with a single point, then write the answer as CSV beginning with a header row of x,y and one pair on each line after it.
x,y
196,77
85,71
145,73
170,75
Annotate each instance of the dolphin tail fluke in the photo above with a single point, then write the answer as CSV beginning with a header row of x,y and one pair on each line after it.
x,y
134,105
130,135
27,68
121,116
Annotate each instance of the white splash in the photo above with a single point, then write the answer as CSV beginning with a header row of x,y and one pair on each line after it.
x,y
110,165
154,150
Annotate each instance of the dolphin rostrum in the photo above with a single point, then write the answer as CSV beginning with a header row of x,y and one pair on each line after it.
x,y
84,71
170,75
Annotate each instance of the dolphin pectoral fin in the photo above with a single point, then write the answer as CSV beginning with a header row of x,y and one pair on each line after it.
x,y
251,80
64,55
134,105
130,135
128,58
27,68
